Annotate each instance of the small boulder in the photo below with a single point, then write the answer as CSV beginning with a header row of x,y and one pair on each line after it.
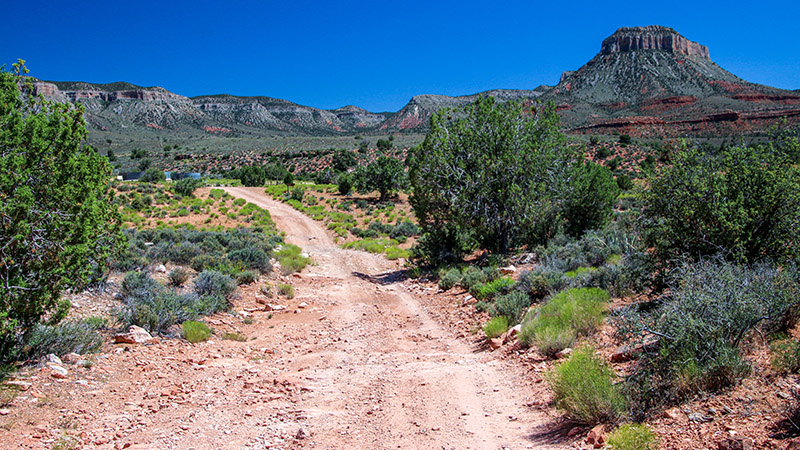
x,y
53,359
161,268
597,436
135,335
564,353
494,344
57,371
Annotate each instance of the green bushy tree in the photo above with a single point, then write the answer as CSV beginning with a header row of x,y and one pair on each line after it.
x,y
58,223
384,175
741,202
492,171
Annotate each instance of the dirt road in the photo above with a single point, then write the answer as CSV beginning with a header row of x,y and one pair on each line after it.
x,y
354,361
388,376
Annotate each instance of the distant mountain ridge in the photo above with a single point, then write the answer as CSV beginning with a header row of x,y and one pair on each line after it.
x,y
643,77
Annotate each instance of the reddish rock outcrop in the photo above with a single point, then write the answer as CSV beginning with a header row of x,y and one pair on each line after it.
x,y
652,37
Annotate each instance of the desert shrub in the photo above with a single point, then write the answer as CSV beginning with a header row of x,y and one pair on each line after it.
x,y
541,282
77,336
496,326
591,198
153,307
251,258
568,315
703,325
233,336
178,277
741,202
345,184
297,193
291,259
287,290
405,228
785,355
97,322
187,186
583,387
492,288
633,436
202,262
214,284
472,276
194,331
450,279
152,175
393,253
246,277
512,306
140,284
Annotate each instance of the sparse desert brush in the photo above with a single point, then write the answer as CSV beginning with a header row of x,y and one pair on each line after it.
x,y
567,316
178,277
495,327
213,283
291,259
451,278
513,306
471,277
633,436
194,331
233,336
246,277
583,386
287,290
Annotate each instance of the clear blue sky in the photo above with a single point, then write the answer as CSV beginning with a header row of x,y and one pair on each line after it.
x,y
373,54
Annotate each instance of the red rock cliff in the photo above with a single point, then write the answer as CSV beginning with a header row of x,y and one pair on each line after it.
x,y
652,37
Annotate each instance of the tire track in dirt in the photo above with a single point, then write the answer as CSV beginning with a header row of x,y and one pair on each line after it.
x,y
389,376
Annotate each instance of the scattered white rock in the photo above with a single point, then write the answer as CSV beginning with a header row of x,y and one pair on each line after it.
x,y
53,359
161,268
302,305
57,371
271,307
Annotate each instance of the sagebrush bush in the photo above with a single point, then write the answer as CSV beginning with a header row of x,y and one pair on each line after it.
x,y
583,387
154,307
178,277
513,306
703,326
213,283
246,277
495,327
633,436
251,258
471,277
78,336
451,278
568,315
194,331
